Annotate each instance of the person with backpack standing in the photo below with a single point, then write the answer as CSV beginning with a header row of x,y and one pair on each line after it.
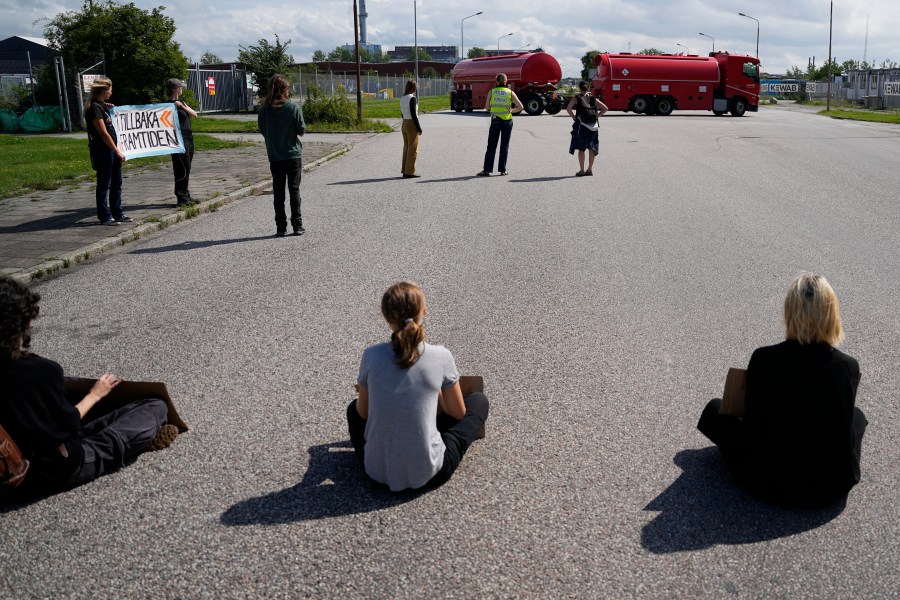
x,y
502,103
585,129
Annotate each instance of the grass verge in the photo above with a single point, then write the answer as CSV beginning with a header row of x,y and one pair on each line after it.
x,y
863,115
214,125
47,163
387,109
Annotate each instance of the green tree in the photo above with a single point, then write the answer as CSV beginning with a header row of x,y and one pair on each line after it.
x,y
381,57
476,52
587,63
364,56
430,72
650,52
265,60
319,56
210,58
849,65
795,73
341,54
136,44
422,55
887,64
830,67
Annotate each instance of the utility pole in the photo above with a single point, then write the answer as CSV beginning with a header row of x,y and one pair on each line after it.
x,y
358,78
828,62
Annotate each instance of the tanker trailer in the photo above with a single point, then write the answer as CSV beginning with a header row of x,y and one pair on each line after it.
x,y
531,75
659,84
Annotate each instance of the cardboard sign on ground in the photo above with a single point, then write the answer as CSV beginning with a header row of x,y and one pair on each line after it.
x,y
125,392
735,391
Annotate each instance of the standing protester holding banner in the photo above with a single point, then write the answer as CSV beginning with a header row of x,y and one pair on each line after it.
x,y
281,123
499,104
106,158
181,163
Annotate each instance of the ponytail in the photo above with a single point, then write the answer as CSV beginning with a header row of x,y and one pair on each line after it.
x,y
401,305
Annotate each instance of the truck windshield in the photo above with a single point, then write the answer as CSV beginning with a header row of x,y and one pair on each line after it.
x,y
751,70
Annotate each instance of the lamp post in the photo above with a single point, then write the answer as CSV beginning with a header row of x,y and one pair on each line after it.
x,y
520,48
740,14
416,39
462,46
713,39
358,82
683,46
498,41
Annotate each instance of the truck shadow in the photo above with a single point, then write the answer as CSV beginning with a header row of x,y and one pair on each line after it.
x,y
536,179
334,485
705,507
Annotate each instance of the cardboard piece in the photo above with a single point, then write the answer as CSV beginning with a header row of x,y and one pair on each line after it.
x,y
471,383
734,393
127,391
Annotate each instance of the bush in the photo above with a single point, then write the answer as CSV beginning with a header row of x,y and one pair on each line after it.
x,y
320,108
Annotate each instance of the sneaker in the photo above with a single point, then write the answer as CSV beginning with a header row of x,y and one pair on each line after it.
x,y
484,174
110,221
163,438
504,173
125,219
298,230
481,433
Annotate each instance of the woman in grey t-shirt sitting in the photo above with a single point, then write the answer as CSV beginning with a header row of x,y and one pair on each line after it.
x,y
395,428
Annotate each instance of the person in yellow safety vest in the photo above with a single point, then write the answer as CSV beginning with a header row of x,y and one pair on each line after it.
x,y
502,103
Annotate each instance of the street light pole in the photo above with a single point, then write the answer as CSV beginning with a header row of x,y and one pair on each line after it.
x,y
757,31
462,46
683,46
713,39
416,39
358,82
498,41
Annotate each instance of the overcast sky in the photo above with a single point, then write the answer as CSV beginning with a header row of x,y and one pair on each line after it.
x,y
791,31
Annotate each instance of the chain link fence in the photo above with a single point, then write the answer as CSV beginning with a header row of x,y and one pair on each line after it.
x,y
372,86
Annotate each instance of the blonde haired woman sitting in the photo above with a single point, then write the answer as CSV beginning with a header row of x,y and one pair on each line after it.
x,y
800,439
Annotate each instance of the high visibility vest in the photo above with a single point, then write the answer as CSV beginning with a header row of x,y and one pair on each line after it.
x,y
501,103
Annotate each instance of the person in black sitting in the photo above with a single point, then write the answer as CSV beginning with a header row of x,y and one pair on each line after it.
x,y
64,449
800,439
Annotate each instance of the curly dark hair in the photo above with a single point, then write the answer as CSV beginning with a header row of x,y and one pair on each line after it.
x,y
18,307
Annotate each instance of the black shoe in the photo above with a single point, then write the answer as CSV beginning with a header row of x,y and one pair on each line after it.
x,y
406,176
484,174
280,232
580,174
298,230
125,219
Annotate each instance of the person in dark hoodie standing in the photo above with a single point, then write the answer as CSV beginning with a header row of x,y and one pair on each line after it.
x,y
181,163
281,123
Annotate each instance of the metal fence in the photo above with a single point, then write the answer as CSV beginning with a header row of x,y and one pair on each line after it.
x,y
877,89
372,86
218,91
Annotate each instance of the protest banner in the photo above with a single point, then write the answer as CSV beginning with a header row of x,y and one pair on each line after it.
x,y
147,130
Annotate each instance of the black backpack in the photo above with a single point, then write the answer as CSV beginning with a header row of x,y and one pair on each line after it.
x,y
587,112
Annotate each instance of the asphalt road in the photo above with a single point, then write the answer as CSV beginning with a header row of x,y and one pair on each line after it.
x,y
603,313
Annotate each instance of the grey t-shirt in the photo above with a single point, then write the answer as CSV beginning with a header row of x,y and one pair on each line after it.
x,y
403,446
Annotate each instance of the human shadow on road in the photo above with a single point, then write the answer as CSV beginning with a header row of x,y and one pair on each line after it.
x,y
359,181
446,179
705,507
334,485
198,245
537,179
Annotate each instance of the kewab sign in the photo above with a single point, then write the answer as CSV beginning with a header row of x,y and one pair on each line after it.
x,y
147,130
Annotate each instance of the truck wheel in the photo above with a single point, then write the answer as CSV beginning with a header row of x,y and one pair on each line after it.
x,y
553,107
664,106
640,104
533,104
467,105
456,104
738,107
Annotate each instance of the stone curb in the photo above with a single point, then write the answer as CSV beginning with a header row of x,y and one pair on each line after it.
x,y
85,253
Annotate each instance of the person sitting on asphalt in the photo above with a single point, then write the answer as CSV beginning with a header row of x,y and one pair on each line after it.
x,y
396,431
800,439
64,448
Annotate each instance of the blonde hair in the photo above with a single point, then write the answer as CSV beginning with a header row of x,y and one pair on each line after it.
x,y
401,306
98,86
811,311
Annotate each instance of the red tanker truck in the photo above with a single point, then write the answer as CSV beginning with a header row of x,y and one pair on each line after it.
x,y
659,84
531,75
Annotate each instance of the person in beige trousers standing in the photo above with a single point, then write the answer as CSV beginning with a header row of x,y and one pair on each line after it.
x,y
409,108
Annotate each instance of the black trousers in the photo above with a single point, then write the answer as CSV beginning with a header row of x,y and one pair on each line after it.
x,y
181,167
501,130
457,435
286,172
